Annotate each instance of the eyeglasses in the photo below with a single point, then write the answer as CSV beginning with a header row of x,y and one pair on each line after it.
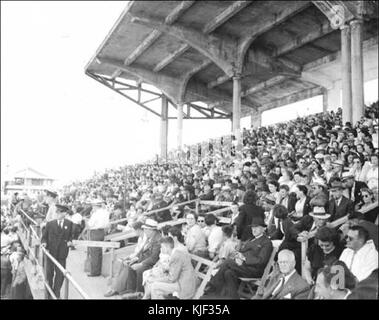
x,y
200,220
365,195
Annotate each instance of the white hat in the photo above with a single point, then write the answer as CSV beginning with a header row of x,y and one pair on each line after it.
x,y
346,175
319,213
96,202
225,188
150,224
217,186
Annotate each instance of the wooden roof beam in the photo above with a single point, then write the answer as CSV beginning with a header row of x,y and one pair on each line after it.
x,y
224,16
152,37
298,42
290,9
209,27
264,85
220,50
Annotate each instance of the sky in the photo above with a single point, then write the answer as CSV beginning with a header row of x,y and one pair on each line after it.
x,y
56,119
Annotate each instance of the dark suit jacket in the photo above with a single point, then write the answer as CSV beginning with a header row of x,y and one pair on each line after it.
x,y
346,207
295,288
357,191
207,196
366,289
56,238
149,255
257,253
243,221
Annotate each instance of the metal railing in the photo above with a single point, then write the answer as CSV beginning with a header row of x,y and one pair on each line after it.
x,y
39,254
334,224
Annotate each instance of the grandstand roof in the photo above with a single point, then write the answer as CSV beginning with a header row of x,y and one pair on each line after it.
x,y
190,50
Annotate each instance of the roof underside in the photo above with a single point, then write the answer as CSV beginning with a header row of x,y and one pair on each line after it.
x,y
191,49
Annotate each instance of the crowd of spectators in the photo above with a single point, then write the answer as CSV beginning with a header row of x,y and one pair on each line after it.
x,y
283,183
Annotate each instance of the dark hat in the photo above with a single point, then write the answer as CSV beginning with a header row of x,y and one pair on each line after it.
x,y
51,193
62,208
257,221
336,185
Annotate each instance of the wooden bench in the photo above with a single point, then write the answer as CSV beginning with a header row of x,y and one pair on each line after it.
x,y
246,290
202,274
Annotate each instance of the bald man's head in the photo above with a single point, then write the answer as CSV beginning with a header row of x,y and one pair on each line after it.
x,y
286,261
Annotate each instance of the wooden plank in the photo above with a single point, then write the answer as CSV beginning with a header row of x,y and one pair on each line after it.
x,y
229,12
101,244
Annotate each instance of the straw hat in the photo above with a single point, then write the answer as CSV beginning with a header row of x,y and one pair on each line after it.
x,y
319,213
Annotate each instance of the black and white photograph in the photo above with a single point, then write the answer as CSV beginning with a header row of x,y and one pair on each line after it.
x,y
209,151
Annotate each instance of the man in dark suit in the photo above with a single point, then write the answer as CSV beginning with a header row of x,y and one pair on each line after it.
x,y
338,206
249,262
353,187
287,283
145,259
56,238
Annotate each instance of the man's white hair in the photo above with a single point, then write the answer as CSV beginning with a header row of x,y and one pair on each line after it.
x,y
288,253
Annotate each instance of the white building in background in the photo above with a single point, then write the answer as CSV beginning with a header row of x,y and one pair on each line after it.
x,y
27,180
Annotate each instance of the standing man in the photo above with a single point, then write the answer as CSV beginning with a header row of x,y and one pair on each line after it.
x,y
56,238
97,223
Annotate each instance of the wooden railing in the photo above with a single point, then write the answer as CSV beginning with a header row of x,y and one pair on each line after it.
x,y
334,224
30,237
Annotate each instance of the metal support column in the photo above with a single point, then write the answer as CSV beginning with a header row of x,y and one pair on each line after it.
x,y
180,126
164,127
357,70
346,74
237,107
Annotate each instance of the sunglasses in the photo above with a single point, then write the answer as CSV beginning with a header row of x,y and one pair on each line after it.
x,y
200,220
365,195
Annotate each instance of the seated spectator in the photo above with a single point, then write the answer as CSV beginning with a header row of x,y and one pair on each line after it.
x,y
228,246
338,206
328,288
19,280
6,272
287,283
302,206
367,199
181,279
366,289
318,194
352,188
360,253
215,236
324,251
286,199
372,173
247,212
249,262
118,282
194,236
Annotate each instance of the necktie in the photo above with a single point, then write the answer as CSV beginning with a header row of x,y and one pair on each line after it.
x,y
60,224
278,288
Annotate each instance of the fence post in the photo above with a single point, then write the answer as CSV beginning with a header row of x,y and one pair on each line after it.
x,y
44,264
304,248
66,287
112,261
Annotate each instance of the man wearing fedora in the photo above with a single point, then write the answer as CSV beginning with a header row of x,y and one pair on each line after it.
x,y
338,205
96,225
56,238
144,260
250,262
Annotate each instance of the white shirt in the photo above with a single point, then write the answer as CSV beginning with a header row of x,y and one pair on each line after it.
x,y
362,262
215,239
99,219
76,218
